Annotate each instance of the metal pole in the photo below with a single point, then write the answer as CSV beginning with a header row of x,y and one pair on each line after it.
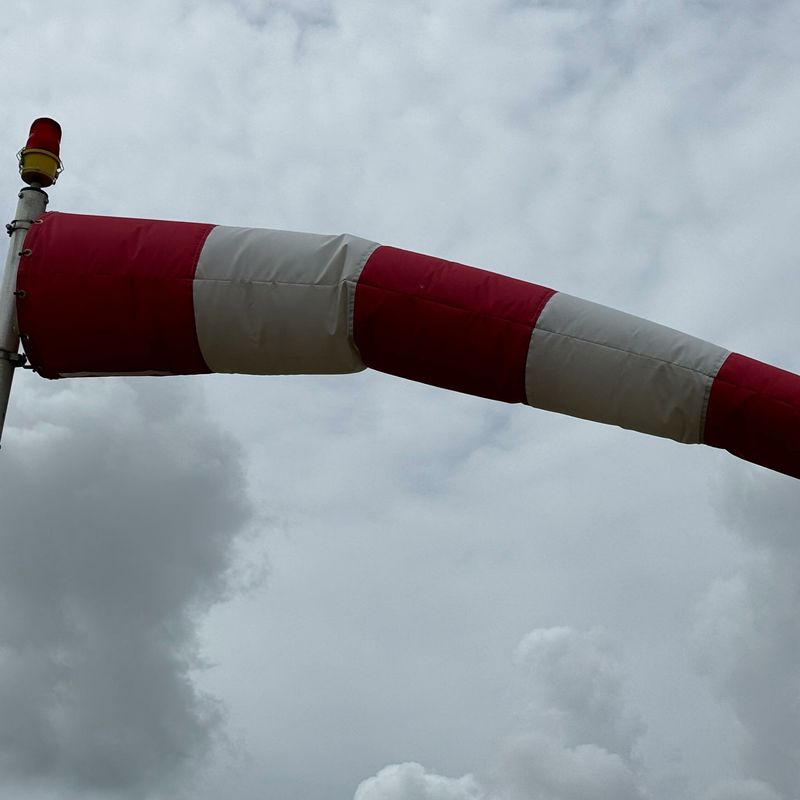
x,y
31,205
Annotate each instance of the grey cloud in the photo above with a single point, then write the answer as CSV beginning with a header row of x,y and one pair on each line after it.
x,y
748,631
579,736
543,768
304,12
121,503
575,715
741,790
577,687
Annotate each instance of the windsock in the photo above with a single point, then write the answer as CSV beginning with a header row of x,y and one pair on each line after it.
x,y
114,296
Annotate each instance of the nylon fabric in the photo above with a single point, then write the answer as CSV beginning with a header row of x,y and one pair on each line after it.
x,y
593,362
446,324
754,413
109,295
275,302
101,296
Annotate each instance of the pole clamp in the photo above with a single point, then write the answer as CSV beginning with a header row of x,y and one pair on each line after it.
x,y
16,359
20,224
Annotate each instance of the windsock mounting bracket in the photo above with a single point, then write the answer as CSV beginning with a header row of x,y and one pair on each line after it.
x,y
16,224
16,359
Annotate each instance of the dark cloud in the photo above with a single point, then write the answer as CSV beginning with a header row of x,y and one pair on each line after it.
x,y
120,505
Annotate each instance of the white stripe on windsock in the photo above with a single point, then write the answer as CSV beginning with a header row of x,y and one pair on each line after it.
x,y
590,361
278,302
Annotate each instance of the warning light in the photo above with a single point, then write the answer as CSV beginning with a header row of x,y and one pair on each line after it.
x,y
39,163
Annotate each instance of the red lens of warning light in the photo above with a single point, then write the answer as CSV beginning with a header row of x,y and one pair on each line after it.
x,y
39,164
45,135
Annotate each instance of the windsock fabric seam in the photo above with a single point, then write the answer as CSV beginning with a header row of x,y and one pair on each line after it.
x,y
278,302
666,391
201,243
252,282
709,374
446,324
707,399
758,393
465,309
352,284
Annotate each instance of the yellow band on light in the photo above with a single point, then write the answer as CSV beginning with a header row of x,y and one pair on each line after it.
x,y
39,166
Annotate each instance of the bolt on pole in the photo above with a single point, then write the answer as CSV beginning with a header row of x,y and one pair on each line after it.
x,y
39,167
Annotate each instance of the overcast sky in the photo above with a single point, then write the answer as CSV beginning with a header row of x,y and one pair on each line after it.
x,y
355,587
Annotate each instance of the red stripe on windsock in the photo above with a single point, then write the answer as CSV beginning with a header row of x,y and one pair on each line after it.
x,y
446,324
110,295
754,413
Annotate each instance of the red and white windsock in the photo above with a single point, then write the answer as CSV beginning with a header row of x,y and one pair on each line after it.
x,y
111,296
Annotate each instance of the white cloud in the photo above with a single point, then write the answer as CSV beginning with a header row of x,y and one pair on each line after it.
x,y
579,737
542,768
412,782
564,749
